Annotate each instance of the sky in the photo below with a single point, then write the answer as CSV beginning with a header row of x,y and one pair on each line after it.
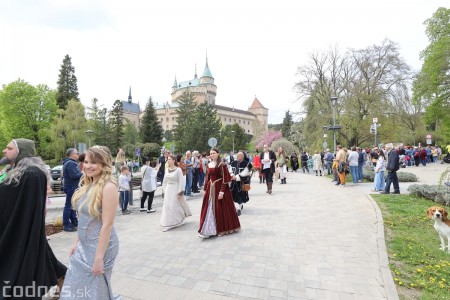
x,y
254,47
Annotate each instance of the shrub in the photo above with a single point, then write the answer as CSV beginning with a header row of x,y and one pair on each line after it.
x,y
369,175
435,193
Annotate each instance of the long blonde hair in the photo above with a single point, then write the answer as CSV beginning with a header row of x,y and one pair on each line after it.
x,y
102,156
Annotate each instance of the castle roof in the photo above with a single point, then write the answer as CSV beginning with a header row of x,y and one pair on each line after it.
x,y
206,71
188,83
130,107
257,104
232,109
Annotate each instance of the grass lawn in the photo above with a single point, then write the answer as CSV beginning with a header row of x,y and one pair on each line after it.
x,y
420,269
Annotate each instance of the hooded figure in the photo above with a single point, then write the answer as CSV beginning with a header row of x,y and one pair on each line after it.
x,y
27,263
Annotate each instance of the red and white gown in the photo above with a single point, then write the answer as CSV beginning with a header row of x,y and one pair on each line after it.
x,y
218,217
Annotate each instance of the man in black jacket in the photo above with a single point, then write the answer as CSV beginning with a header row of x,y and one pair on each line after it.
x,y
268,159
393,164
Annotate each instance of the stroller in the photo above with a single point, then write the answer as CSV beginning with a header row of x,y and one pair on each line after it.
x,y
402,161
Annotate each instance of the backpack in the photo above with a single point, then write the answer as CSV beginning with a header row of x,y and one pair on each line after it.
x,y
416,154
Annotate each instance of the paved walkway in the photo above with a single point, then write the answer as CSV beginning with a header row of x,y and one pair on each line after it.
x,y
308,240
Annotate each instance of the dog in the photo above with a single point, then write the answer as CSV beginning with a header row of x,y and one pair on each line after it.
x,y
441,224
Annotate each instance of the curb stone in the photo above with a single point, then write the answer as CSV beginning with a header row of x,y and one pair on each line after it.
x,y
388,280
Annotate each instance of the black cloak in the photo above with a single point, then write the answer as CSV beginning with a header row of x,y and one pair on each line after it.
x,y
26,258
239,196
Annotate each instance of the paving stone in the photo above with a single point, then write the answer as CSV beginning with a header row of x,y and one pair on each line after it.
x,y
284,251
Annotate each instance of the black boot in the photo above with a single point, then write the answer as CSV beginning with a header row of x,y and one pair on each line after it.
x,y
285,181
260,179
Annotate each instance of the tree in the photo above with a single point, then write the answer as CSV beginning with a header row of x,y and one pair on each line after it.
x,y
287,124
104,136
205,124
151,129
27,112
268,138
130,133
241,139
68,129
364,81
116,125
168,135
183,132
288,146
431,86
67,83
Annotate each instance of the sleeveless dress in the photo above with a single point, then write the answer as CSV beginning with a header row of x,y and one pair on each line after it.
x,y
218,217
79,276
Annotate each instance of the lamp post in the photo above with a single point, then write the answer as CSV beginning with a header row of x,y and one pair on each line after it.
x,y
333,104
414,134
232,133
89,134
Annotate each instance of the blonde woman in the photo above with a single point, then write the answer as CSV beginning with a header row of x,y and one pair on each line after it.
x,y
96,248
281,164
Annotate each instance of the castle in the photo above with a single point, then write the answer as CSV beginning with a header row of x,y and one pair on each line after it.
x,y
204,90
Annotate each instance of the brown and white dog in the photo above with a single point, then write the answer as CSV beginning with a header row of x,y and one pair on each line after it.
x,y
441,224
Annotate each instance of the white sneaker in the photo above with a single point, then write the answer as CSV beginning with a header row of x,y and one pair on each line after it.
x,y
142,209
152,210
203,236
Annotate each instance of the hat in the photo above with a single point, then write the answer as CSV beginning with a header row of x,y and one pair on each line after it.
x,y
25,148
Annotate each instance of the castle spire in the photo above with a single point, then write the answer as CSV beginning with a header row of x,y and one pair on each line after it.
x,y
206,71
175,83
130,99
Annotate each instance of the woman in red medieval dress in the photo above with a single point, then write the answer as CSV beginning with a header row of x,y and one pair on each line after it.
x,y
218,215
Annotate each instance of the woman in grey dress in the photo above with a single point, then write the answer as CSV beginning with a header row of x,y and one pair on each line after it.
x,y
97,245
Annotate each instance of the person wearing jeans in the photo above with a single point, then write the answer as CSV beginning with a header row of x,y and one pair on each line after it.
x,y
188,162
353,164
124,189
71,175
379,169
393,164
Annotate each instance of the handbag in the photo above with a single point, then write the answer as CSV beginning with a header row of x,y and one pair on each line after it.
x,y
246,187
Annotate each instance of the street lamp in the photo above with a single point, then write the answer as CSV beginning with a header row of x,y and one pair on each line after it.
x,y
232,133
333,104
89,134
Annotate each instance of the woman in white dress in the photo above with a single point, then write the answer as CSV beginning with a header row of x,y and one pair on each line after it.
x,y
175,208
317,163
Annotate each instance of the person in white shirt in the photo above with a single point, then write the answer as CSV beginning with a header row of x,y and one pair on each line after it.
x,y
353,158
148,185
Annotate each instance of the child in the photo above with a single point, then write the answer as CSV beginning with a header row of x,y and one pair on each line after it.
x,y
334,167
124,188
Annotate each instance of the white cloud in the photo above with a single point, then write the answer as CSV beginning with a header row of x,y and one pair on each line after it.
x,y
254,47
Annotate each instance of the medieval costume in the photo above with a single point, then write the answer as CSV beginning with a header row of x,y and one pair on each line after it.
x,y
242,171
218,217
26,258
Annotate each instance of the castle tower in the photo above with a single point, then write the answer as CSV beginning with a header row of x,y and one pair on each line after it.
x,y
260,112
203,88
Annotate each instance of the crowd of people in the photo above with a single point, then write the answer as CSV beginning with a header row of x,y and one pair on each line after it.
x,y
95,187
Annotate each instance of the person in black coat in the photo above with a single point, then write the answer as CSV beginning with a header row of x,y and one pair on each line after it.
x,y
27,263
268,159
241,168
393,164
